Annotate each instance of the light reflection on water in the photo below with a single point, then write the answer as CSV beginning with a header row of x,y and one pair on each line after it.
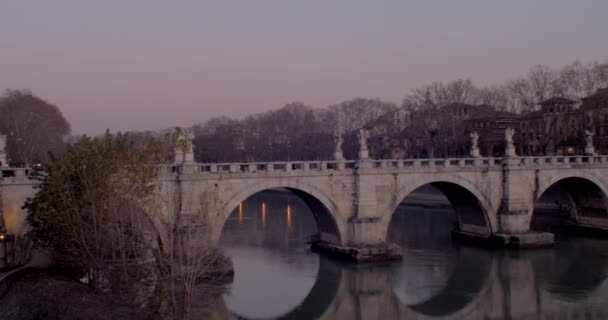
x,y
277,277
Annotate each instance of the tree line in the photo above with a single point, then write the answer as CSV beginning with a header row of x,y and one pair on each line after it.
x,y
300,132
519,95
36,128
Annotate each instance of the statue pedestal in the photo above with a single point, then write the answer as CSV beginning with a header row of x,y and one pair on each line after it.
x,y
363,155
510,152
475,153
338,156
188,157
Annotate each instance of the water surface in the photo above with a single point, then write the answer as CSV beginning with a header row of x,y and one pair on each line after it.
x,y
277,277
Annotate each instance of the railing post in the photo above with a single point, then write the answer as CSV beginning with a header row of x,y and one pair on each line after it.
x,y
446,163
234,168
416,163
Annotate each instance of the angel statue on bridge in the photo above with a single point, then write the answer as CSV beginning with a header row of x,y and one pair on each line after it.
x,y
589,148
338,155
510,146
363,135
474,144
184,149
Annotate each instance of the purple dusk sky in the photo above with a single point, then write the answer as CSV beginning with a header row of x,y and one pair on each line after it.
x,y
154,64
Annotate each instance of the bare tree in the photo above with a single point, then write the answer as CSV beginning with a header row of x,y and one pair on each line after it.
x,y
353,114
33,126
438,94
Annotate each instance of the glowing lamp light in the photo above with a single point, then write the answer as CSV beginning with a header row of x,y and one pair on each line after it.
x,y
570,150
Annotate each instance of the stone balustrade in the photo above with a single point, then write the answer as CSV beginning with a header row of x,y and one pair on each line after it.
x,y
16,175
326,167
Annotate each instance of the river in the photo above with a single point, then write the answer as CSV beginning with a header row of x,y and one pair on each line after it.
x,y
278,277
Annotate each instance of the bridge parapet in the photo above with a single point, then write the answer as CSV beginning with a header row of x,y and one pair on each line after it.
x,y
324,167
388,165
551,161
16,176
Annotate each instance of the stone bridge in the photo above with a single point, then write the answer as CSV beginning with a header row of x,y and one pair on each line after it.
x,y
353,201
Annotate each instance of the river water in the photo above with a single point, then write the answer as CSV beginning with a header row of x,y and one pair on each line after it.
x,y
277,277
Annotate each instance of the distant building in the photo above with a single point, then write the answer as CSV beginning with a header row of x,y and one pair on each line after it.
x,y
557,128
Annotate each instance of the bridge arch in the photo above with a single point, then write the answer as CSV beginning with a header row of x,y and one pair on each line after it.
x,y
473,209
581,266
324,210
580,198
463,294
321,296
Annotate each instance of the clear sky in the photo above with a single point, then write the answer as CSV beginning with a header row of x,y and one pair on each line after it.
x,y
154,64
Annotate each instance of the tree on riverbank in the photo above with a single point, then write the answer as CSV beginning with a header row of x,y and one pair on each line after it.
x,y
91,214
88,210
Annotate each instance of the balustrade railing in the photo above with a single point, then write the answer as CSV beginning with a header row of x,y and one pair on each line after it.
x,y
397,164
14,175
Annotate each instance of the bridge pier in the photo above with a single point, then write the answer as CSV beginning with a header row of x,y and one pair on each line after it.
x,y
516,209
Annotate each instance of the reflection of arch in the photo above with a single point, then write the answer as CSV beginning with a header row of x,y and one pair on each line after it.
x,y
575,274
585,194
320,297
471,206
466,283
322,208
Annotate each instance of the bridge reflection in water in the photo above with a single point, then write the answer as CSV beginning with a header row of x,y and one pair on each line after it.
x,y
276,277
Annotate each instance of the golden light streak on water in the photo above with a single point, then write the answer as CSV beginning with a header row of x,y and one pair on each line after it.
x,y
289,217
264,213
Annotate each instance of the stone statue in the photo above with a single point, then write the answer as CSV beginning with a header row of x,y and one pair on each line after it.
x,y
589,148
338,155
363,135
510,147
509,132
474,144
184,149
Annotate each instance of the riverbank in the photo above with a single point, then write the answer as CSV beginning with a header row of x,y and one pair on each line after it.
x,y
38,294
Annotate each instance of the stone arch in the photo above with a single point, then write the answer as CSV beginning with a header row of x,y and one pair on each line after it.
x,y
463,196
463,292
323,208
583,268
321,296
586,195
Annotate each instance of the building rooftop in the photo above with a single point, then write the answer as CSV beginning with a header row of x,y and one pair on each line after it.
x,y
557,100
